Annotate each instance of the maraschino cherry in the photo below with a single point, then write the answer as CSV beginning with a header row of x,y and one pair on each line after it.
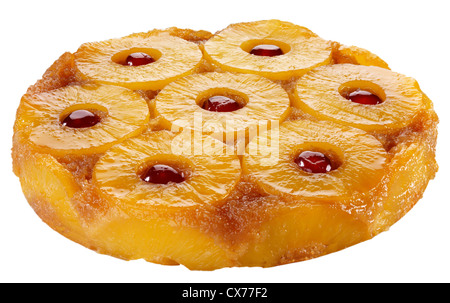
x,y
363,97
138,59
313,162
221,104
162,174
268,50
81,118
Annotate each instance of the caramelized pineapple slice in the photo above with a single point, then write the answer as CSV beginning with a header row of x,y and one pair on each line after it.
x,y
246,103
140,61
356,55
283,50
356,161
327,92
81,120
162,170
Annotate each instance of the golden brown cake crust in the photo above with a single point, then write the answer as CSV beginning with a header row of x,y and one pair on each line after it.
x,y
241,226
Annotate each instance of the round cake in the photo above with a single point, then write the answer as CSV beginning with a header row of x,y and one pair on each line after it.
x,y
259,145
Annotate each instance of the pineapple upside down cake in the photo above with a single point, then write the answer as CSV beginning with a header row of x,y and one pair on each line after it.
x,y
259,145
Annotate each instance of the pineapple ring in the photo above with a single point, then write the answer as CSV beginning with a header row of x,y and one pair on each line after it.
x,y
174,58
179,104
356,55
125,114
360,158
319,93
204,159
303,50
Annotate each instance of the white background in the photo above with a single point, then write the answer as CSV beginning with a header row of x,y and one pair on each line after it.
x,y
412,36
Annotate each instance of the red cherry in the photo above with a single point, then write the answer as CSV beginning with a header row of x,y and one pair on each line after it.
x,y
221,104
313,162
137,59
268,50
162,174
81,118
363,97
